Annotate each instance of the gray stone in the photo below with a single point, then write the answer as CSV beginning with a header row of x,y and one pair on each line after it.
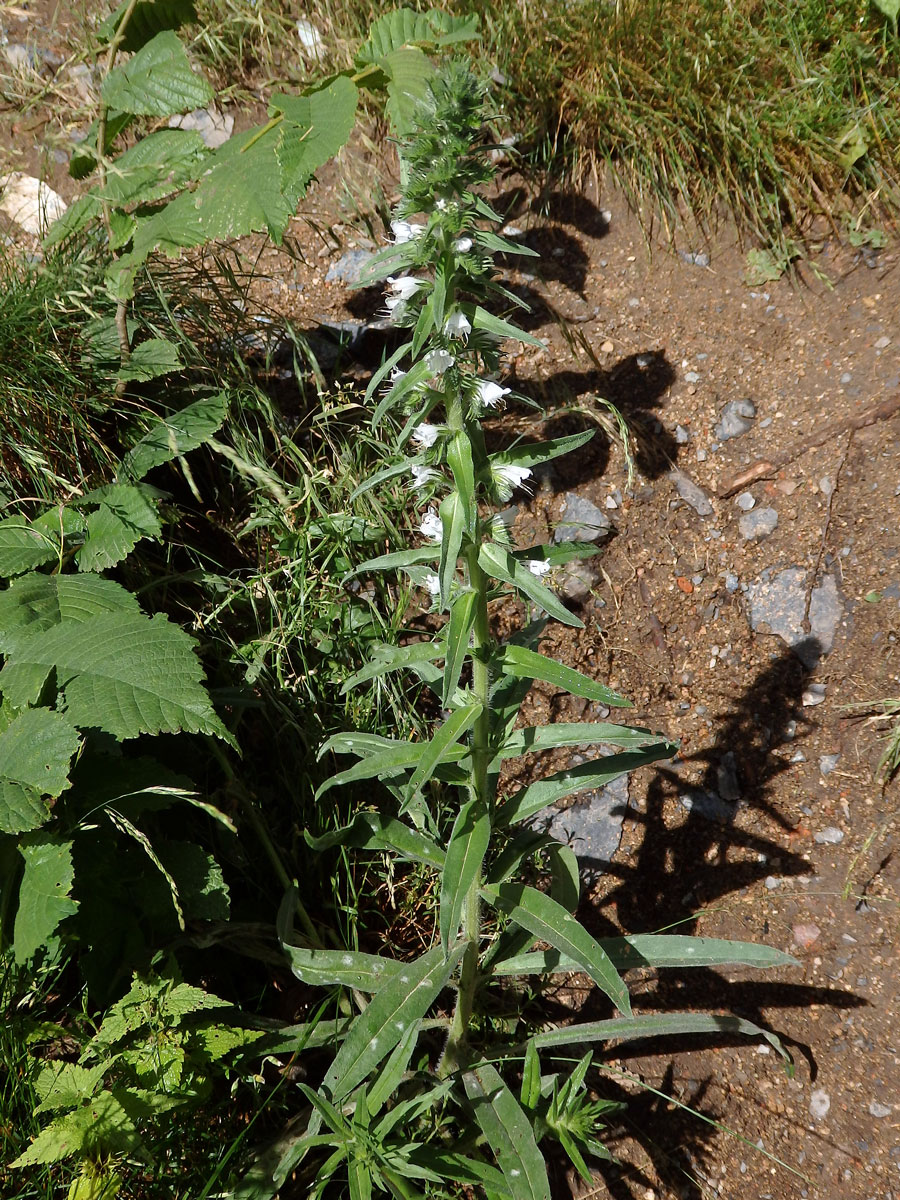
x,y
691,377
581,521
776,603
708,805
819,1104
593,825
734,419
349,267
758,524
829,836
575,581
879,1111
696,258
732,583
813,695
827,763
727,778
214,127
682,435
691,493
745,502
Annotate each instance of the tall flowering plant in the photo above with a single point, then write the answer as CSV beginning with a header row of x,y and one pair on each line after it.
x,y
425,1086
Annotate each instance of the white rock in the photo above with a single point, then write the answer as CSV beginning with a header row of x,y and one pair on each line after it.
x,y
213,126
819,1104
829,836
310,38
30,202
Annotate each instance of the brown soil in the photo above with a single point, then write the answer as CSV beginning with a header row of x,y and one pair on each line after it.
x,y
626,318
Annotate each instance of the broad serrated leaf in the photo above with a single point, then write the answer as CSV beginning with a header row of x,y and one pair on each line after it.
x,y
125,513
154,167
124,673
596,773
665,1025
147,19
652,950
315,127
157,81
550,922
508,1131
23,547
498,562
403,27
97,1129
44,898
529,664
371,831
465,853
348,968
151,359
175,435
536,738
36,750
38,603
66,1085
199,879
406,997
408,72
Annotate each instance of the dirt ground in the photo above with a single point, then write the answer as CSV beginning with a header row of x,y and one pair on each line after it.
x,y
771,825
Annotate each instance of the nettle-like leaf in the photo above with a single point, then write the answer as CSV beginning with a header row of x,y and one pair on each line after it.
x,y
24,546
175,435
125,513
315,127
148,18
116,669
44,898
150,359
157,81
403,27
36,751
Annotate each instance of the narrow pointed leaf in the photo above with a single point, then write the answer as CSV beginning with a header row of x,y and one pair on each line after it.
x,y
529,664
531,454
385,1085
424,326
348,968
396,561
499,245
399,658
482,319
459,458
405,998
453,520
385,369
444,746
465,853
459,630
565,886
405,386
390,762
501,564
371,831
508,1131
535,739
550,922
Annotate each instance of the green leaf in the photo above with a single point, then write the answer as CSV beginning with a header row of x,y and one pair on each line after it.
x,y
498,562
371,831
383,372
596,773
38,603
399,390
453,516
124,673
532,454
389,763
652,950
154,167
199,880
22,547
386,1084
176,435
500,245
95,1130
157,82
508,1131
151,359
43,893
316,125
461,1169
667,1025
148,17
465,853
459,459
66,1085
459,630
406,997
535,739
36,750
125,513
403,27
530,1092
348,968
565,886
550,922
482,319
393,658
396,560
529,664
443,747
891,9
408,71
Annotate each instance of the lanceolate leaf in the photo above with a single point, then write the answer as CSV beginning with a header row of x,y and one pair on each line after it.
x,y
36,750
394,658
43,893
531,454
501,564
535,739
465,854
482,319
406,997
443,746
383,371
550,922
397,560
391,762
157,82
652,950
371,831
508,1131
594,774
459,458
459,630
453,519
175,435
349,968
529,664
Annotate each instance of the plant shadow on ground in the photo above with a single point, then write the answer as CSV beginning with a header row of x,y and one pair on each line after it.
x,y
694,858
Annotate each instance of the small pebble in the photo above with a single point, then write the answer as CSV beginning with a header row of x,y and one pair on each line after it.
x,y
758,524
826,485
882,344
829,836
607,348
819,1104
805,933
771,882
732,583
644,360
681,435
880,1111
813,695
846,377
701,455
691,377
828,762
745,501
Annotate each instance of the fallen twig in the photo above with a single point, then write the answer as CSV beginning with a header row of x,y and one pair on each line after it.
x,y
767,468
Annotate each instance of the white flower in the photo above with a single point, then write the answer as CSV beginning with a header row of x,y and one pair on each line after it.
x,y
405,231
537,566
404,286
433,584
437,361
431,526
509,476
458,325
397,374
462,245
440,204
422,475
489,393
425,435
